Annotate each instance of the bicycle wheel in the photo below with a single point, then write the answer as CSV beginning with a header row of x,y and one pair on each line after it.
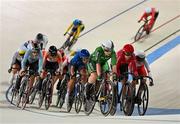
x,y
143,94
21,90
89,103
139,34
78,98
127,99
33,92
115,102
42,94
106,101
13,93
71,101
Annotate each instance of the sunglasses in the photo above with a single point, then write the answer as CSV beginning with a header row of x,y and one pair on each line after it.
x,y
128,53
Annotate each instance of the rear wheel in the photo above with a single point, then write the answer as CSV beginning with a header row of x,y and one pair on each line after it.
x,y
143,95
139,34
78,98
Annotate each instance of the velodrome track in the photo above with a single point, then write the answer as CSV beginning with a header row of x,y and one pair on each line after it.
x,y
104,19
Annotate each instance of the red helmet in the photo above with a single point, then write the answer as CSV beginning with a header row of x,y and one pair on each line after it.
x,y
128,48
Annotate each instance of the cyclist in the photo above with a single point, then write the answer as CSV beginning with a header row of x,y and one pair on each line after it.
x,y
143,65
40,38
52,61
77,63
99,63
126,61
149,12
32,59
16,61
76,28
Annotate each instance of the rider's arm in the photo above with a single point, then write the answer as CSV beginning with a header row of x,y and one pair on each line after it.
x,y
78,32
40,62
44,60
113,62
143,17
14,58
23,63
60,61
45,39
146,64
153,13
69,28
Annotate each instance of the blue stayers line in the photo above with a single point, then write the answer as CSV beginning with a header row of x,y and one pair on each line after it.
x,y
163,49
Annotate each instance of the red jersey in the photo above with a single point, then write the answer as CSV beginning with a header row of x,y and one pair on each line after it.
x,y
122,60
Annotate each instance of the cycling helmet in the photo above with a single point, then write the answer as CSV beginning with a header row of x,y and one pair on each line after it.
x,y
39,37
128,48
77,22
21,51
107,45
140,55
84,53
53,50
148,10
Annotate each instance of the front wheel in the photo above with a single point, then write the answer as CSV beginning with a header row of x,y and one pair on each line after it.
x,y
139,34
143,95
107,97
127,99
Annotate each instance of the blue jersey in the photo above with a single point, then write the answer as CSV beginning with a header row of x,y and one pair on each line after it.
x,y
76,61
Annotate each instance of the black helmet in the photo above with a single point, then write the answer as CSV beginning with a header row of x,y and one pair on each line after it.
x,y
39,37
53,50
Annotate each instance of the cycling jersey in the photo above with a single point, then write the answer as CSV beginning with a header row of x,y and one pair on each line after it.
x,y
121,61
29,58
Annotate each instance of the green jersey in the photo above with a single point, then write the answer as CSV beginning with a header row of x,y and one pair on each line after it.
x,y
98,56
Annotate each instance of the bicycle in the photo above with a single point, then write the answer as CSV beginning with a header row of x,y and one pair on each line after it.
x,y
69,43
62,91
142,30
46,93
124,98
104,95
24,90
79,94
142,95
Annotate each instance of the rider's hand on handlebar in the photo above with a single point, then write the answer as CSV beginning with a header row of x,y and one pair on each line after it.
x,y
139,21
114,77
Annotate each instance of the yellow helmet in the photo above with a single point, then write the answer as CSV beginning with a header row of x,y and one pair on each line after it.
x,y
21,52
72,53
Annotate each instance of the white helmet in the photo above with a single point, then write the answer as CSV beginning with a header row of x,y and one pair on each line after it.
x,y
148,10
108,45
140,55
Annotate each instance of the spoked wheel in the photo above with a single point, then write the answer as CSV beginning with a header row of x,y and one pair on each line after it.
x,y
78,98
90,102
139,34
107,98
127,99
143,95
